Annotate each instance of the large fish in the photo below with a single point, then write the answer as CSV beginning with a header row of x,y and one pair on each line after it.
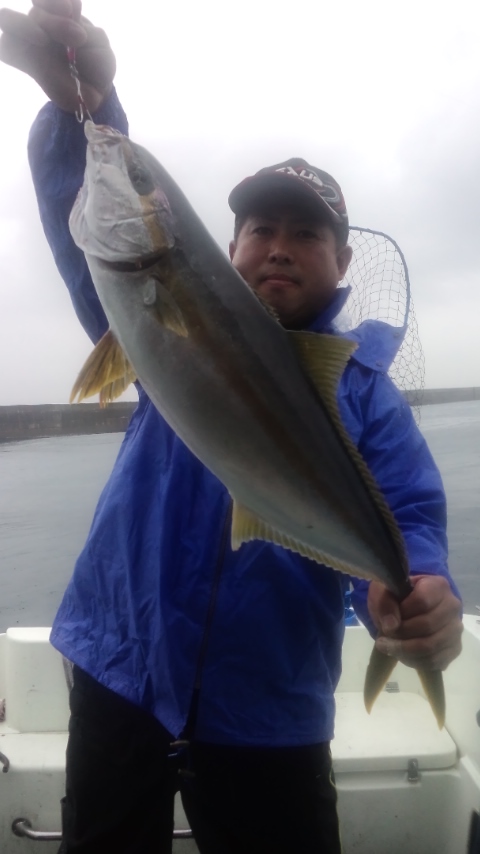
x,y
254,402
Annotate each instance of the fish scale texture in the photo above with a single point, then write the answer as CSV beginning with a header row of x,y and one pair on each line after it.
x,y
134,614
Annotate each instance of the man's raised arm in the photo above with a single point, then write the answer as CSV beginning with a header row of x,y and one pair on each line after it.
x,y
36,44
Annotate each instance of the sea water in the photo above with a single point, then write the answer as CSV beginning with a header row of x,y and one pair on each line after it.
x,y
49,489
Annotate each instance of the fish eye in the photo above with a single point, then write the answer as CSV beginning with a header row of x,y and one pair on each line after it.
x,y
141,179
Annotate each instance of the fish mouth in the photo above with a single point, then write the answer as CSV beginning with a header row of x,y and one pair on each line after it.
x,y
136,264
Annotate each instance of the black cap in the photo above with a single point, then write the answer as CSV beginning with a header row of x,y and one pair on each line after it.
x,y
298,176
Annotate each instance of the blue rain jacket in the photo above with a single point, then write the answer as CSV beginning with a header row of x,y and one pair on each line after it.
x,y
158,604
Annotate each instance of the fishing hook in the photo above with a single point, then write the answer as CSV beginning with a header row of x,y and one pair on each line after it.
x,y
82,110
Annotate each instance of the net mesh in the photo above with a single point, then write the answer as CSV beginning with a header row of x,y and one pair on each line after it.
x,y
380,284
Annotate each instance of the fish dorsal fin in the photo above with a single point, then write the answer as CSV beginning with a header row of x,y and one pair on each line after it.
x,y
164,307
324,359
107,371
247,526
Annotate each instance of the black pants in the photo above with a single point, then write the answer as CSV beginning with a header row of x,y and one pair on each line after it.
x,y
121,784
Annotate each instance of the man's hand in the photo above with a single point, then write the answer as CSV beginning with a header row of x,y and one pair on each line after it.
x,y
422,631
36,44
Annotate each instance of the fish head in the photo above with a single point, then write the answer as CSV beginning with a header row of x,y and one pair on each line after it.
x,y
121,214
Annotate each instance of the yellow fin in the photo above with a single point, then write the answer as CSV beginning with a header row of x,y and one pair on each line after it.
x,y
324,358
107,371
432,684
165,308
247,526
116,388
379,669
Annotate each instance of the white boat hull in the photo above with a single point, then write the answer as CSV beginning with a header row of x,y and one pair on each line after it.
x,y
403,785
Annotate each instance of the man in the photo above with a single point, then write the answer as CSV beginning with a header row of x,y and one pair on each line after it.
x,y
172,634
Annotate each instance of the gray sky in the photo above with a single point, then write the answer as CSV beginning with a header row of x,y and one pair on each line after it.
x,y
385,96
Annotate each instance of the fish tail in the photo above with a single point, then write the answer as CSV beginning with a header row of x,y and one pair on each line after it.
x,y
379,669
432,684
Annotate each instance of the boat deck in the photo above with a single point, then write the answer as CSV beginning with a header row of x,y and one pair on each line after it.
x,y
403,784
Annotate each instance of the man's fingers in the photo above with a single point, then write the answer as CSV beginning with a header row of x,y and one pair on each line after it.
x,y
61,29
429,630
21,27
66,8
384,608
432,653
428,658
55,7
446,614
35,44
76,9
428,592
39,27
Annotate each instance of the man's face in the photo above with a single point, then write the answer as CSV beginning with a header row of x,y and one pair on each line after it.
x,y
289,256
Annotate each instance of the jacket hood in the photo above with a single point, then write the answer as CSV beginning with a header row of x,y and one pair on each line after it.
x,y
378,342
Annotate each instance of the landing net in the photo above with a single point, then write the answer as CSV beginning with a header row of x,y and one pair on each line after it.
x,y
378,275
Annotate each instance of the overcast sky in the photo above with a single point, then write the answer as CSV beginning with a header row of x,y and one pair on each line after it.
x,y
384,95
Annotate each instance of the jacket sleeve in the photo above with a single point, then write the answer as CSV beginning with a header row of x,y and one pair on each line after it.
x,y
399,458
57,152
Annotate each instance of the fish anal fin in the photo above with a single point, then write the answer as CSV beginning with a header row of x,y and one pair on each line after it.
x,y
379,669
247,526
107,371
164,307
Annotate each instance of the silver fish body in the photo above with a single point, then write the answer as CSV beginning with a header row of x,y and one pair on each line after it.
x,y
254,402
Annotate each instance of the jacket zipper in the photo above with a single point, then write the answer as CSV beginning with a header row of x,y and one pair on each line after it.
x,y
193,713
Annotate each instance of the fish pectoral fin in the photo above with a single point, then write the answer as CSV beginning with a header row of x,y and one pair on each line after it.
x,y
379,669
107,371
166,309
115,389
247,526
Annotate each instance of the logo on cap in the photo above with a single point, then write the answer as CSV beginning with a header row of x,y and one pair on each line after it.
x,y
327,191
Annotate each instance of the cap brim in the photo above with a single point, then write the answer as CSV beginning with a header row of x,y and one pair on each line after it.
x,y
252,191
